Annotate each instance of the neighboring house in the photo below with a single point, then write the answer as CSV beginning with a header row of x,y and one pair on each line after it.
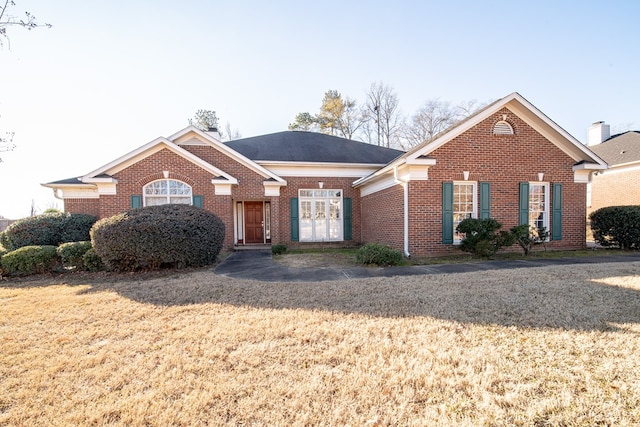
x,y
4,223
508,161
620,183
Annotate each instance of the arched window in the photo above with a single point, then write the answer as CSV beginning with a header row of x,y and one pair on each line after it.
x,y
166,191
502,128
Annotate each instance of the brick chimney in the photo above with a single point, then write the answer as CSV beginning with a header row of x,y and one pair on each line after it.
x,y
597,133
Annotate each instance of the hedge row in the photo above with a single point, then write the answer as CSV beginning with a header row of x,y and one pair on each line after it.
x,y
50,229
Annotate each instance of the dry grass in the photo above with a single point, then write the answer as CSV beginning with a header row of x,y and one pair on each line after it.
x,y
534,347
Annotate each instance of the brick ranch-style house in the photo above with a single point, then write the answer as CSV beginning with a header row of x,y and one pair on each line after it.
x,y
507,161
620,183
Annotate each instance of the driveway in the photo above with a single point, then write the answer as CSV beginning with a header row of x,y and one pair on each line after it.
x,y
259,265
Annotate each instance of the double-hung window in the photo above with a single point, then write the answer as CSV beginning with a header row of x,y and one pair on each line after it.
x,y
320,215
539,205
464,205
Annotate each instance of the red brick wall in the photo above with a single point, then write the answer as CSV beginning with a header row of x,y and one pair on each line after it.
x,y
615,189
250,188
85,206
383,216
502,160
283,234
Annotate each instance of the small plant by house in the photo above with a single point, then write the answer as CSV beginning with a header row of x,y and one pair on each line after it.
x,y
153,237
378,254
527,237
617,226
278,249
71,254
30,260
483,237
47,229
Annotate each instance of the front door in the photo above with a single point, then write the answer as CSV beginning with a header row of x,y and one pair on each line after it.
x,y
254,222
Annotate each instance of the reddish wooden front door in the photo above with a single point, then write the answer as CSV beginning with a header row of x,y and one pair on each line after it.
x,y
253,222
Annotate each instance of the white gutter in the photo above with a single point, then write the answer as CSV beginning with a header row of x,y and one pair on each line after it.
x,y
405,187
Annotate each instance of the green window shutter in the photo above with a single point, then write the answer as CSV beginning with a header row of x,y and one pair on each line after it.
x,y
136,201
485,200
523,207
197,201
295,229
348,231
556,214
447,213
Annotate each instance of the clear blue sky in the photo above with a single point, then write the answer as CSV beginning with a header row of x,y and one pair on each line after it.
x,y
111,76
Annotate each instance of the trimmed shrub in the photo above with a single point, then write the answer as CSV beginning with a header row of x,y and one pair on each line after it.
x,y
617,226
91,261
153,237
31,260
527,236
378,254
278,249
483,237
71,254
47,229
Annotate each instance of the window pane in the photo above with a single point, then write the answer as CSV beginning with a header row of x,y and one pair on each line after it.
x,y
306,222
321,220
463,205
320,215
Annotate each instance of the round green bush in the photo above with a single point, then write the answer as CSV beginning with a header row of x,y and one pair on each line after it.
x,y
617,226
31,260
278,249
153,237
47,229
378,254
91,261
71,254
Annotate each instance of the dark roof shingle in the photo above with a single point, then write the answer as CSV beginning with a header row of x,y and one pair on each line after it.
x,y
619,149
296,146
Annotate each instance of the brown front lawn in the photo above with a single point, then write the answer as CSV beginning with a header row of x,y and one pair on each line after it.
x,y
531,347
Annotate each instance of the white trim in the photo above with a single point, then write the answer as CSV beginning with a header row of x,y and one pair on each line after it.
x,y
226,150
379,185
474,202
149,149
525,111
312,169
547,203
313,200
272,189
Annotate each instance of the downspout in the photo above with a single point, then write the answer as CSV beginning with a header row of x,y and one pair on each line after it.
x,y
405,187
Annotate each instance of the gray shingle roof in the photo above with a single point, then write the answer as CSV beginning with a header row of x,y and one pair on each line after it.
x,y
296,146
620,149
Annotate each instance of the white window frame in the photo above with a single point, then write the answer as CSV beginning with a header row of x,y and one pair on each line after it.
x,y
169,198
535,203
321,195
457,237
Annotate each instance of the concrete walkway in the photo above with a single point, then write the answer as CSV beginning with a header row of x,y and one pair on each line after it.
x,y
259,265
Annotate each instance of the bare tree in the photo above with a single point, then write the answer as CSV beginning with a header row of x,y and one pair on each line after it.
x,y
382,108
434,117
6,143
231,134
7,20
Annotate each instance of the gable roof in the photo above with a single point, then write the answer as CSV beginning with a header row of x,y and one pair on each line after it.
x,y
311,147
516,103
620,149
